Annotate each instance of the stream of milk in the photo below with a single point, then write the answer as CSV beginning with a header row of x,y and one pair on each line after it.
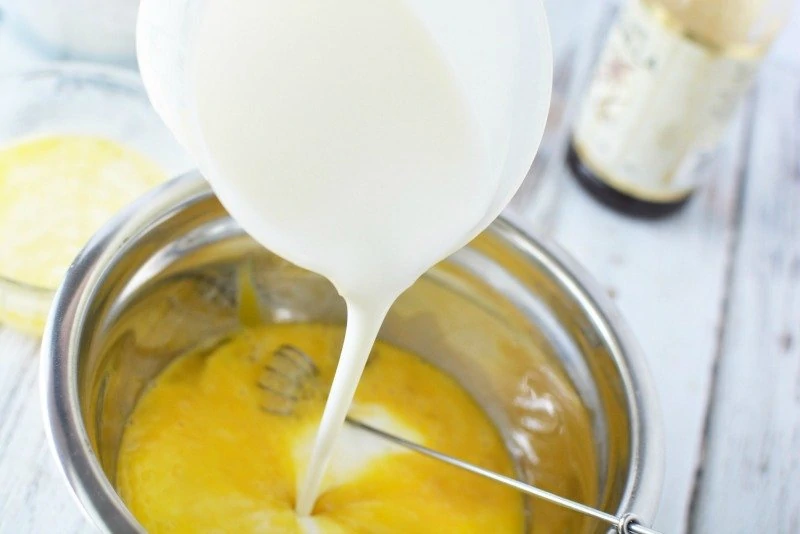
x,y
365,140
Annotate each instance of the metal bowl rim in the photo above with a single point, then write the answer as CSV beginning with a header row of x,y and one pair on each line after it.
x,y
58,374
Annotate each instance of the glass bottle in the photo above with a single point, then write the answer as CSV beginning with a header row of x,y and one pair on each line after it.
x,y
670,79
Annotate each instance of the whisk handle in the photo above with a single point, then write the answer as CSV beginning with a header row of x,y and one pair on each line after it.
x,y
629,524
636,528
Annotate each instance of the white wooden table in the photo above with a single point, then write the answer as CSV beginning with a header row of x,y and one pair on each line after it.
x,y
713,296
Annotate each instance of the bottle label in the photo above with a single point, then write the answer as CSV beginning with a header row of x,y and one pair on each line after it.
x,y
659,102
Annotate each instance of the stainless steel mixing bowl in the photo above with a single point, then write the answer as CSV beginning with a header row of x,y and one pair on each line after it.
x,y
169,274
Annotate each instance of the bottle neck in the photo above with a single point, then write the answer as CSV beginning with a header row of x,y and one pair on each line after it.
x,y
742,28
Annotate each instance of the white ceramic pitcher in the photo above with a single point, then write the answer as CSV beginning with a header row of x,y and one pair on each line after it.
x,y
516,64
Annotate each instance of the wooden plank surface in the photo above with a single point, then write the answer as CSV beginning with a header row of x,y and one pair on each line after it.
x,y
33,496
751,478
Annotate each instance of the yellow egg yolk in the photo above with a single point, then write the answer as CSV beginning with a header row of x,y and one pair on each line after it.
x,y
205,451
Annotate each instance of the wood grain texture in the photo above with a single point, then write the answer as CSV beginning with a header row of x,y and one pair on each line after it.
x,y
751,477
33,496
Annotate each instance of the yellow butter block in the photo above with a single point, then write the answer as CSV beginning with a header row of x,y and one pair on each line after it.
x,y
55,193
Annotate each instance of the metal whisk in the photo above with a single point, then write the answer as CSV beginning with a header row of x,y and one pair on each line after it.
x,y
289,377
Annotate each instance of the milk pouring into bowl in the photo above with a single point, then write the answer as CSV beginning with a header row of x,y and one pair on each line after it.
x,y
365,141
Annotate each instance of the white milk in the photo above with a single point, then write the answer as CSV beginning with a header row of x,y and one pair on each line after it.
x,y
365,140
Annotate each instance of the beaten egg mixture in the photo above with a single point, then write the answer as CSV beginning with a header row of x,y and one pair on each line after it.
x,y
203,450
